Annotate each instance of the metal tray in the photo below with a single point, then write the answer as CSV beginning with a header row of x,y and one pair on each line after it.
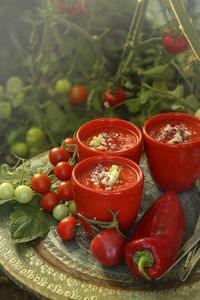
x,y
53,269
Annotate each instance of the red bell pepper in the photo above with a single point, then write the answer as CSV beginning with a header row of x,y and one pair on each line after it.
x,y
157,237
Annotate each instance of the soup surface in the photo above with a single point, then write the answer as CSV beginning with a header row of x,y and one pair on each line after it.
x,y
108,176
175,131
110,139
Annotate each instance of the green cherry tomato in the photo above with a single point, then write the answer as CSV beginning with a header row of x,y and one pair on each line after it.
x,y
72,208
63,86
23,194
35,137
60,211
6,190
20,149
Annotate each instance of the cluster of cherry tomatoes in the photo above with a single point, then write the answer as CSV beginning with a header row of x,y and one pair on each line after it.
x,y
55,200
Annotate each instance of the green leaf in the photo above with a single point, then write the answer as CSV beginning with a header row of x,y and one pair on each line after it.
x,y
29,222
5,110
55,118
14,85
159,72
7,201
15,176
192,101
178,92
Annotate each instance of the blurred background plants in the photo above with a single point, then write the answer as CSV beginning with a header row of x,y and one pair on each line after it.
x,y
50,47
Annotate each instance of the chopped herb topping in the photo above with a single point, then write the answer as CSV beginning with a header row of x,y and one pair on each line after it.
x,y
105,177
106,142
174,134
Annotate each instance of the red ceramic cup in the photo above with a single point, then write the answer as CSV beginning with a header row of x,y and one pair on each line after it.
x,y
130,145
94,203
173,166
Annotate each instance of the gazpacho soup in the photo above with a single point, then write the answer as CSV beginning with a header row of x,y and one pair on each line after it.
x,y
108,176
110,139
175,131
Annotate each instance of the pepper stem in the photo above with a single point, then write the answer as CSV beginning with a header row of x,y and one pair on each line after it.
x,y
143,259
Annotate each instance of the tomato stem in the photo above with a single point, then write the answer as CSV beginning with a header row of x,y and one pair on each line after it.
x,y
97,225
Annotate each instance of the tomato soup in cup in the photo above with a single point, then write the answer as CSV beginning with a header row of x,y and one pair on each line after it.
x,y
172,146
109,136
103,183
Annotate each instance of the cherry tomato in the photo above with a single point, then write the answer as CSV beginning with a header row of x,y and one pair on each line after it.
x,y
49,200
40,183
78,95
108,247
60,211
23,194
6,190
66,228
35,137
63,170
65,191
74,10
174,44
57,155
20,149
114,98
72,208
69,141
62,86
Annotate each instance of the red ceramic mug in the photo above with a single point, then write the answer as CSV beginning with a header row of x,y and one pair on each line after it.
x,y
172,146
94,201
118,137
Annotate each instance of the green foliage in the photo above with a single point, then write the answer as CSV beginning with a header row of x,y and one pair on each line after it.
x,y
109,45
29,222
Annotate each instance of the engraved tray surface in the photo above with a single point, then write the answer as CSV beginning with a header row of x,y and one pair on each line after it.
x,y
54,269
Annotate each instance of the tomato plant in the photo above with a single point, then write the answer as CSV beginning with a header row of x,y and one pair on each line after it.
x,y
65,191
63,86
66,228
40,183
6,190
78,95
108,247
58,154
49,200
114,98
173,43
69,141
75,9
63,170
60,211
23,194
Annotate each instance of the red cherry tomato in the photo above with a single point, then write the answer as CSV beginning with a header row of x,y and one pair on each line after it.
x,y
40,183
114,98
49,200
63,170
78,95
69,141
108,247
72,11
65,191
174,44
66,227
57,155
